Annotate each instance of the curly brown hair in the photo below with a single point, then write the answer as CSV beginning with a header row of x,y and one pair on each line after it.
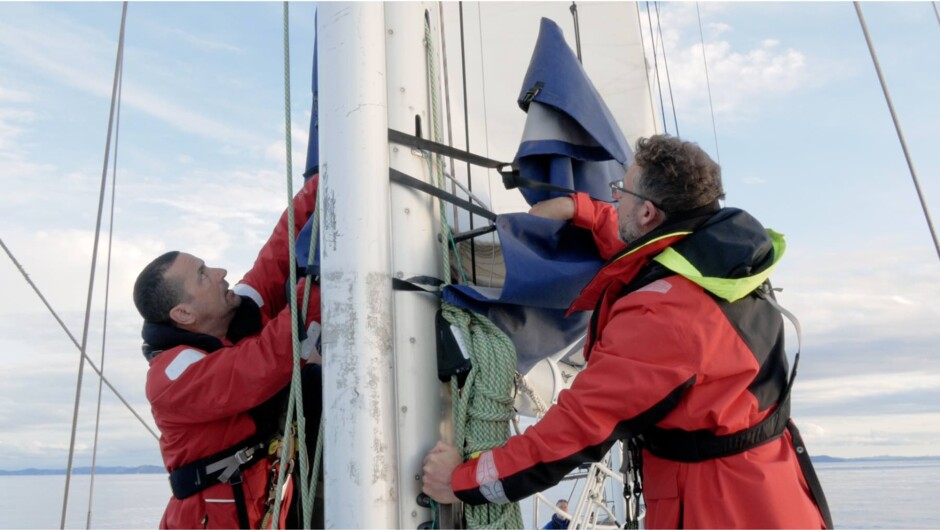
x,y
677,175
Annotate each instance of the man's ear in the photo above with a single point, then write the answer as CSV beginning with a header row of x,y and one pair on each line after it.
x,y
181,315
650,217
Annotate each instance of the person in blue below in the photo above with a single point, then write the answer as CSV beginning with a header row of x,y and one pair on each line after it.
x,y
559,521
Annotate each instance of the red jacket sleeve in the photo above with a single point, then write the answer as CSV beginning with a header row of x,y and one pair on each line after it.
x,y
269,274
189,386
601,219
636,375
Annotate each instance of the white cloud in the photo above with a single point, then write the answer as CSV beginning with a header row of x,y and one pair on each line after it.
x,y
837,390
872,435
753,180
82,58
741,80
201,42
15,96
863,294
275,152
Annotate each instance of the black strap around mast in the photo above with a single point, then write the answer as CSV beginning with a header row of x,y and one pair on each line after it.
x,y
511,177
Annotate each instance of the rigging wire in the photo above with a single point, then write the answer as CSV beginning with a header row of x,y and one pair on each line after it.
x,y
662,43
577,29
659,83
94,259
107,292
466,132
649,85
450,124
88,359
936,12
897,127
486,144
711,106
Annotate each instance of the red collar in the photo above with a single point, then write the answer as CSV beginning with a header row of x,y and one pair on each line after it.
x,y
621,269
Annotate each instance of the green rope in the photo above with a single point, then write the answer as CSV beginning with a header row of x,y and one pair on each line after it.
x,y
446,234
483,408
318,452
295,408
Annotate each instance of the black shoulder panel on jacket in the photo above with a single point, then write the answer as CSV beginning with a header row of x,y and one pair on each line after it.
x,y
761,328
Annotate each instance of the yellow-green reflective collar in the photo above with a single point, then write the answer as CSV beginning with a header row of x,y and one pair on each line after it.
x,y
651,241
729,289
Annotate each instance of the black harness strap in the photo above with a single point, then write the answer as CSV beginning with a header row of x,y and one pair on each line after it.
x,y
809,473
695,446
238,493
220,468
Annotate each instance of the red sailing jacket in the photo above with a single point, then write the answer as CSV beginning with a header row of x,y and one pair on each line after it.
x,y
201,399
671,354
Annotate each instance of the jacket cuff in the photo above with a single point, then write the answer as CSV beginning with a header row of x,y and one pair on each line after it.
x,y
583,210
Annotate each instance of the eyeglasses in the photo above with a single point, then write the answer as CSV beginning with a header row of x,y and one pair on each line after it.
x,y
617,186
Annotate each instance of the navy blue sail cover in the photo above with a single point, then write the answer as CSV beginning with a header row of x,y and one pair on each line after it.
x,y
312,167
548,262
571,139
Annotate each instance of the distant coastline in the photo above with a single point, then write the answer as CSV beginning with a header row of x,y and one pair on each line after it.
x,y
110,470
883,458
145,470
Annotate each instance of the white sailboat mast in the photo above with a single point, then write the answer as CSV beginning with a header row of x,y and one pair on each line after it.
x,y
360,459
382,400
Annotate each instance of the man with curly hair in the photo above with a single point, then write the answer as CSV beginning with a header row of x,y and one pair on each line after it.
x,y
685,362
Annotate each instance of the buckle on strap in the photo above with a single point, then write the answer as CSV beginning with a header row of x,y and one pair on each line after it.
x,y
232,463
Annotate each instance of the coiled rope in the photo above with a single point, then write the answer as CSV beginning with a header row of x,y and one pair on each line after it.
x,y
483,408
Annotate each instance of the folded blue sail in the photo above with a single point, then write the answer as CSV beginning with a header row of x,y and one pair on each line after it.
x,y
312,166
570,139
548,262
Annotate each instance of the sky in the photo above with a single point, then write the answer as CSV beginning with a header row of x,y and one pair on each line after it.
x,y
804,138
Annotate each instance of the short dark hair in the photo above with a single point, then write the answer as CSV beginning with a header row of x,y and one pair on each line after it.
x,y
677,175
154,294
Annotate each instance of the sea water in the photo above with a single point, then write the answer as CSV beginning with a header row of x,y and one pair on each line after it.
x,y
882,494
